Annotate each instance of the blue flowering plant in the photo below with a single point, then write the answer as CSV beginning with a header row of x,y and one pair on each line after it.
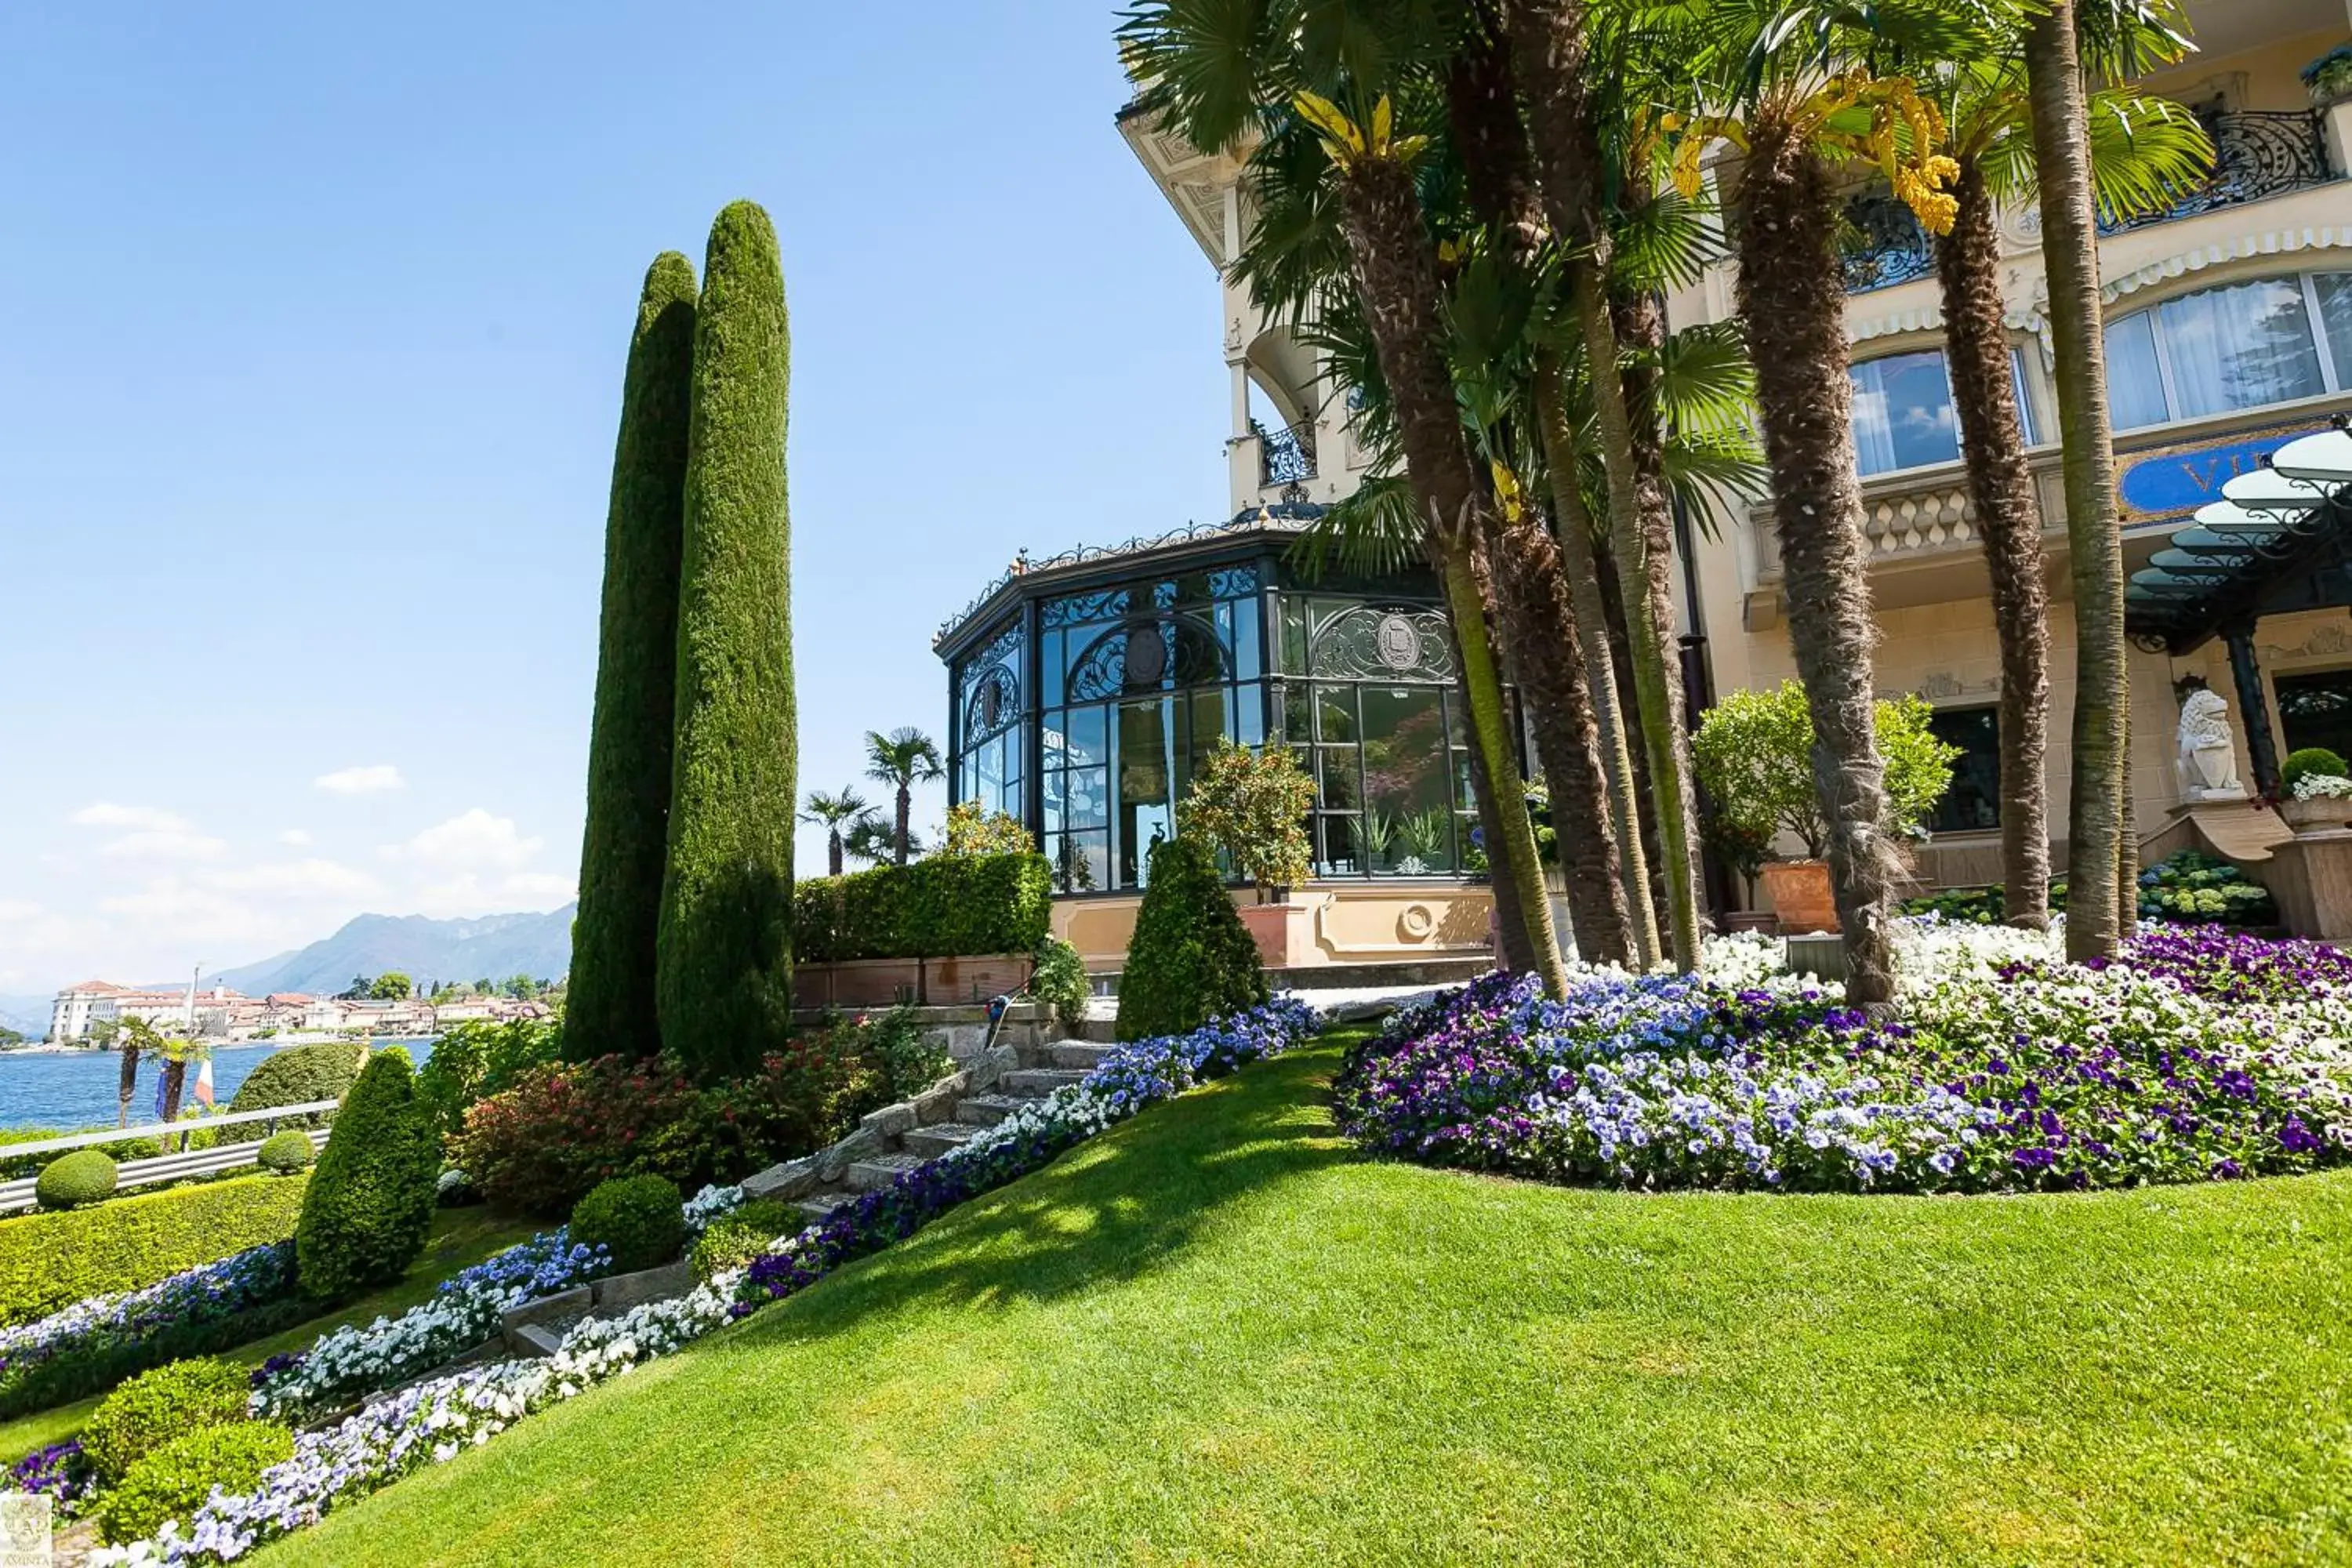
x,y
102,1324
2035,1075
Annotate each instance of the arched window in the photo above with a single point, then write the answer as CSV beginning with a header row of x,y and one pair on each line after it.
x,y
1903,413
2236,345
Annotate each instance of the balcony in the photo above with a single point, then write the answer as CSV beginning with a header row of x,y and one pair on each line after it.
x,y
1921,528
1286,455
2258,155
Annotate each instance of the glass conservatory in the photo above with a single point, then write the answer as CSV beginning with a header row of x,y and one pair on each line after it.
x,y
1085,691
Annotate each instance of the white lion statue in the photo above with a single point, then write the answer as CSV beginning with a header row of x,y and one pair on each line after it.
x,y
2209,753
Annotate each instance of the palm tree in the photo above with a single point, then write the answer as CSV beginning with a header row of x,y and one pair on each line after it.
x,y
2128,34
1807,102
870,841
1217,72
902,759
2145,153
134,1037
835,812
1563,81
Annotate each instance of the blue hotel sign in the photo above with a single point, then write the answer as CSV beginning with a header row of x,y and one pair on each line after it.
x,y
2176,481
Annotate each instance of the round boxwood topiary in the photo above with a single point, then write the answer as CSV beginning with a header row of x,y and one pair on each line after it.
x,y
69,1181
157,1406
296,1076
640,1220
2310,761
370,1202
177,1479
285,1153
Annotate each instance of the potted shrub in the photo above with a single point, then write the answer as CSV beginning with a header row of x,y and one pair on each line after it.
x,y
1743,849
2316,792
1754,755
1252,805
2329,78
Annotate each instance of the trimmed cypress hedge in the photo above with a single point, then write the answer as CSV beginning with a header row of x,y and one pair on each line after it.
x,y
723,966
609,1006
947,906
49,1261
1190,959
369,1203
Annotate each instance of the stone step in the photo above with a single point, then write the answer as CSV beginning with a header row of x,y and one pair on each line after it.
x,y
1079,1054
880,1169
538,1339
936,1140
1102,1031
1031,1082
819,1206
986,1110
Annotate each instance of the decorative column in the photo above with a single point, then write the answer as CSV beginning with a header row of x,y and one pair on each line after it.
x,y
2253,706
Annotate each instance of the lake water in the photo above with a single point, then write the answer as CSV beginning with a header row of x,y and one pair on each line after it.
x,y
77,1088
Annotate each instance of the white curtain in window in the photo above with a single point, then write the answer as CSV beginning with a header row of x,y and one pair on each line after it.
x,y
2239,347
2335,290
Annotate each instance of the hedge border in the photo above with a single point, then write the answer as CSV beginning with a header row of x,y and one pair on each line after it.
x,y
50,1260
948,906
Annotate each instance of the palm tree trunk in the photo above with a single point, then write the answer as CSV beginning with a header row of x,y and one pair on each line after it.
x,y
2070,255
1542,631
127,1085
1582,571
1641,326
1396,280
2126,846
1513,948
175,1081
1548,36
906,821
1992,439
1791,295
832,851
1547,661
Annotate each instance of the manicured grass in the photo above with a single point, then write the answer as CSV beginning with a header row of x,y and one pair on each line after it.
x,y
460,1238
1217,1336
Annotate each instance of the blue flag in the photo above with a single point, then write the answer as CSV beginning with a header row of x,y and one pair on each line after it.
x,y
159,1091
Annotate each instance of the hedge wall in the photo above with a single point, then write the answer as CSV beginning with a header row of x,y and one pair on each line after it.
x,y
51,1261
948,906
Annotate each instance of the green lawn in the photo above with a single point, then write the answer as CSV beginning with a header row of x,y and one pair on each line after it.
x,y
459,1237
1218,1336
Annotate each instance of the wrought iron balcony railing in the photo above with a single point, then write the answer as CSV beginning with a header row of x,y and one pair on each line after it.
x,y
1285,456
2257,154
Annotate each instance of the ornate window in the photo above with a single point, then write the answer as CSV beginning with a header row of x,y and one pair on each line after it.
x,y
2238,345
1903,416
989,740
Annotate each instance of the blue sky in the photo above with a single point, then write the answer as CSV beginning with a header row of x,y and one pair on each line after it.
x,y
314,321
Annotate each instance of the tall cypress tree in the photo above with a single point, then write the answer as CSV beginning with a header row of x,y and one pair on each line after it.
x,y
610,1005
724,969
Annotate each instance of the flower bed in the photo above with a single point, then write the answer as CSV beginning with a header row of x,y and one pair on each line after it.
x,y
51,1360
2191,1058
434,1421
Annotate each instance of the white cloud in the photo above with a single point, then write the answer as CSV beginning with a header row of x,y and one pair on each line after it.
x,y
371,780
311,877
148,818
155,834
472,843
18,909
296,838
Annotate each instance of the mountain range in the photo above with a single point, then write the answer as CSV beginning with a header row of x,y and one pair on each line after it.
x,y
488,946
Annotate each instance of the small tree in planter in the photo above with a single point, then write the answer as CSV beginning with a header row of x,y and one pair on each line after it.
x,y
1190,959
1252,805
972,831
1754,754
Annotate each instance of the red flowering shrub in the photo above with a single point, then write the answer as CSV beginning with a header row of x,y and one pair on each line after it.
x,y
563,1128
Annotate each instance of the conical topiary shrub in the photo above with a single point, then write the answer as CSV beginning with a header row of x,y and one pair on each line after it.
x,y
724,962
1192,959
609,1006
370,1202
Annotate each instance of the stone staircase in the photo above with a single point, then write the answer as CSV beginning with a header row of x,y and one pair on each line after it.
x,y
991,1085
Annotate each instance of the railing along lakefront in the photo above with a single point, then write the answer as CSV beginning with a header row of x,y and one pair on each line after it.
x,y
18,1195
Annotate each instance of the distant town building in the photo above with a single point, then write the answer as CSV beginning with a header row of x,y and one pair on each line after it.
x,y
221,1014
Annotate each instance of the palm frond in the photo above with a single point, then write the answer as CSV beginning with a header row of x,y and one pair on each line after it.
x,y
1375,532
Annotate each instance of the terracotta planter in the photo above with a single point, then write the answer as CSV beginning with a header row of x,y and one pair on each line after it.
x,y
2321,814
1800,890
1281,931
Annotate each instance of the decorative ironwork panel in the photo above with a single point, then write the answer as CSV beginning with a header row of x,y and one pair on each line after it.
x,y
1233,583
1888,246
1079,609
1285,456
1148,655
991,687
2257,154
1371,642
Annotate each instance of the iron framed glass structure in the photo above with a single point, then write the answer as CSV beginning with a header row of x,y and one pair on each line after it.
x,y
1083,698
